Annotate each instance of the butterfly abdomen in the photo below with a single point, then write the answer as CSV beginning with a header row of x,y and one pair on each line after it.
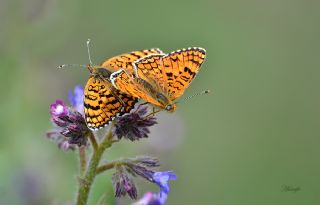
x,y
153,91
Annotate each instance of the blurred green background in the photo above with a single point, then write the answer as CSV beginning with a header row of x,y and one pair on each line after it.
x,y
255,133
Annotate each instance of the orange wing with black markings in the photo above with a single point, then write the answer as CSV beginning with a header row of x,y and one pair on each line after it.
x,y
102,102
180,68
171,73
124,61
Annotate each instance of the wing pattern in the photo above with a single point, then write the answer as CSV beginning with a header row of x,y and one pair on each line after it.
x,y
171,73
103,102
124,61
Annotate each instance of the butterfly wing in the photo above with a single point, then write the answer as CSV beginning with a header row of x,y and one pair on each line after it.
x,y
125,60
103,102
150,69
132,86
172,73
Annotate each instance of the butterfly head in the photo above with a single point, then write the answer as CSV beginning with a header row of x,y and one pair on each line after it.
x,y
171,107
90,68
165,102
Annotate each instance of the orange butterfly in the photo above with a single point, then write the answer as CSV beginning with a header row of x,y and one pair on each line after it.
x,y
160,78
102,102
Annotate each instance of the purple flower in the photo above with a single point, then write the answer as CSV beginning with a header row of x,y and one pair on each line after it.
x,y
161,179
123,184
70,126
65,146
149,198
142,166
134,126
60,140
125,170
76,133
58,109
76,98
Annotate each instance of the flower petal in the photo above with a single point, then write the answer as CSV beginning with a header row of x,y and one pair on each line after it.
x,y
162,197
76,98
58,109
162,179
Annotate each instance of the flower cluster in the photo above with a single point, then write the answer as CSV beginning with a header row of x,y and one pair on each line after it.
x,y
123,183
139,166
70,130
135,125
70,126
142,166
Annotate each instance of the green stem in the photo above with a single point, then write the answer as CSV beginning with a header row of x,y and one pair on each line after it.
x,y
83,161
87,181
107,166
93,141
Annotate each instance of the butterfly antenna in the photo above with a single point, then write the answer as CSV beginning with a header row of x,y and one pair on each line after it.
x,y
89,67
194,95
88,48
71,65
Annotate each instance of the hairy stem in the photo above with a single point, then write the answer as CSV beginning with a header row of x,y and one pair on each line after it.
x,y
106,167
86,182
93,141
83,160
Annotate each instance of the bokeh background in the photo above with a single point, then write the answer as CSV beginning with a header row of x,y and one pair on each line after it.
x,y
257,132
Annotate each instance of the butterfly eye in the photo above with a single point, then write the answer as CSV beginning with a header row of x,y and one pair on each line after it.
x,y
169,107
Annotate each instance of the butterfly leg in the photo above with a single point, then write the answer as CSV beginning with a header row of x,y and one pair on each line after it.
x,y
152,113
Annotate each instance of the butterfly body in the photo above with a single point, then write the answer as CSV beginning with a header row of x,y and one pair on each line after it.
x,y
160,100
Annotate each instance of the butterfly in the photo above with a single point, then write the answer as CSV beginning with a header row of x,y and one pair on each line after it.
x,y
102,101
160,78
